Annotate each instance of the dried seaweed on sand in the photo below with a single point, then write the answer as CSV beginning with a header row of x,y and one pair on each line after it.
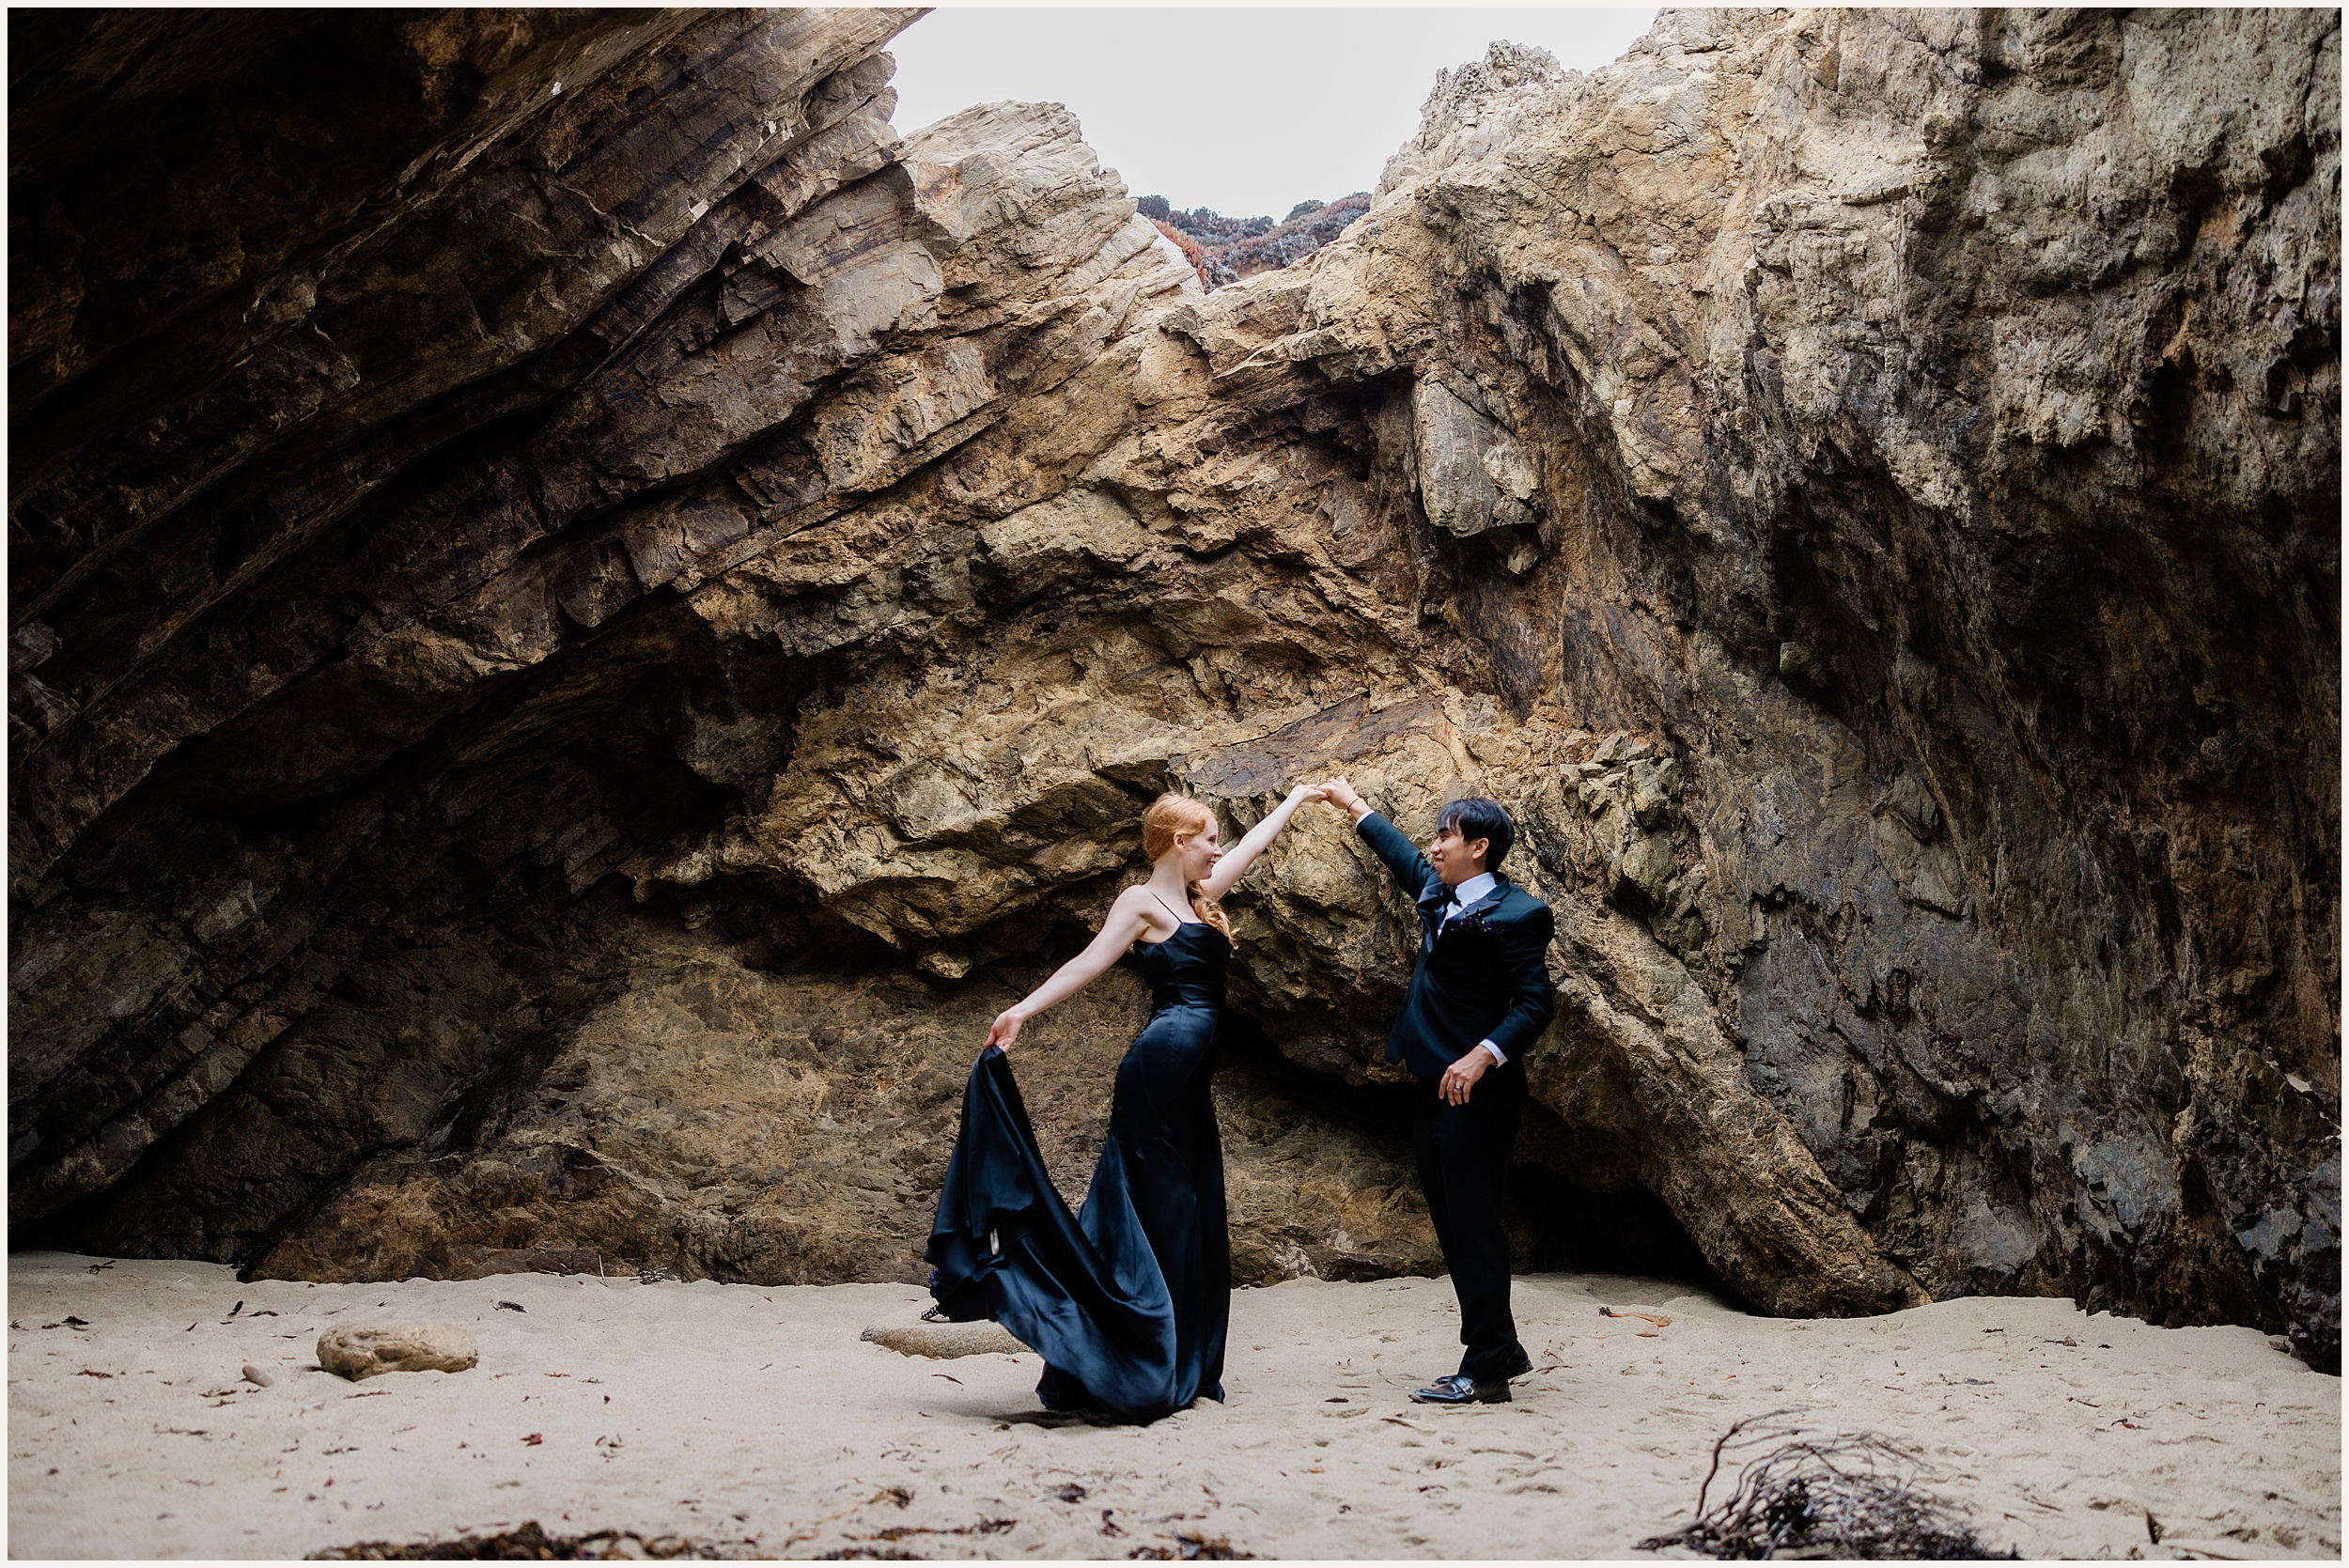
x,y
529,1542
1852,1495
1192,1546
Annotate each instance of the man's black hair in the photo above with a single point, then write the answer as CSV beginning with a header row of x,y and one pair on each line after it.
x,y
1477,818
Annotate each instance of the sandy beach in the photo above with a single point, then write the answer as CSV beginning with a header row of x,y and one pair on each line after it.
x,y
756,1415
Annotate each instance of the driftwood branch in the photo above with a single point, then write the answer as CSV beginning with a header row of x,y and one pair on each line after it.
x,y
1850,1495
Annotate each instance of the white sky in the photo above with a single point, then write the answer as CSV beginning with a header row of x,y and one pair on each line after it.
x,y
1240,109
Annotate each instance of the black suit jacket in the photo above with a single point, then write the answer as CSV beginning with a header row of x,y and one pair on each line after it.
x,y
1487,975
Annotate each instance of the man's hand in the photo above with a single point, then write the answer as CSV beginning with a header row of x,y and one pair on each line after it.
x,y
1462,1075
1339,792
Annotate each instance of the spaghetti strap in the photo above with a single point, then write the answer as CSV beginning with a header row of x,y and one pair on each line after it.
x,y
1179,921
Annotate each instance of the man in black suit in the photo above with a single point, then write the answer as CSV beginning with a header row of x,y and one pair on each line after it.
x,y
1479,997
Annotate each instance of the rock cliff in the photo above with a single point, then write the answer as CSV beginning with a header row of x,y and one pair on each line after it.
x,y
569,651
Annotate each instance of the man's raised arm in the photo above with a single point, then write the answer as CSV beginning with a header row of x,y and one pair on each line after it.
x,y
1386,841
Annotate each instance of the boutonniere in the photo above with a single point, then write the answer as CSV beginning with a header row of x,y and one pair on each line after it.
x,y
1476,922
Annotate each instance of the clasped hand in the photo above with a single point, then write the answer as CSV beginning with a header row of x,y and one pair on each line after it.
x,y
1339,791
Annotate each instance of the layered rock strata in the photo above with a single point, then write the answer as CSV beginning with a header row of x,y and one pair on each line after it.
x,y
554,691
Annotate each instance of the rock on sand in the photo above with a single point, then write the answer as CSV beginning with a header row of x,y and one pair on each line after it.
x,y
357,1353
944,1341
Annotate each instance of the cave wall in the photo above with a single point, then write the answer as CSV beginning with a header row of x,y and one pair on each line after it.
x,y
562,670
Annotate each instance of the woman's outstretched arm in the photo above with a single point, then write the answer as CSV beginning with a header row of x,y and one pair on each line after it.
x,y
1242,855
1125,922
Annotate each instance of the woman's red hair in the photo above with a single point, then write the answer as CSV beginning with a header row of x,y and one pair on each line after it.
x,y
1171,819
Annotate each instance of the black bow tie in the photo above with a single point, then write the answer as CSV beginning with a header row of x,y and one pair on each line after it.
x,y
1450,896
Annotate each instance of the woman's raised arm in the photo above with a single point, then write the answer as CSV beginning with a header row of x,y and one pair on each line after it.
x,y
1242,855
1125,922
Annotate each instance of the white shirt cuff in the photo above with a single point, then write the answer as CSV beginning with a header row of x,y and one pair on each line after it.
x,y
1500,1058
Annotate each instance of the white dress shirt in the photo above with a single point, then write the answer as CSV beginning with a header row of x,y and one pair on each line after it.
x,y
1466,894
1469,891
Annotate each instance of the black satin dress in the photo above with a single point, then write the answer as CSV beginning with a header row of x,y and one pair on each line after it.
x,y
1129,1299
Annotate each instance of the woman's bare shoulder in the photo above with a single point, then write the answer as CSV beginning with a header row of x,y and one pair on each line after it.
x,y
1144,907
1132,901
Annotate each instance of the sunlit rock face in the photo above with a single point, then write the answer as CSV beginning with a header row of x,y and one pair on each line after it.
x,y
564,668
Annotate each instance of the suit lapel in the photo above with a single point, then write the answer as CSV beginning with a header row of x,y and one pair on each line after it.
x,y
1499,888
1431,907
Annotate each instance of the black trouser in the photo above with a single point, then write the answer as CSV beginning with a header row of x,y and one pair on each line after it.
x,y
1464,1156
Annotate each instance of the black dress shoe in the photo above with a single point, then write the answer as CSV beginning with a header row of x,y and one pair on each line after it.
x,y
1459,1389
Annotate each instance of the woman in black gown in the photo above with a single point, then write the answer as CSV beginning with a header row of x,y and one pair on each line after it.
x,y
1127,1299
